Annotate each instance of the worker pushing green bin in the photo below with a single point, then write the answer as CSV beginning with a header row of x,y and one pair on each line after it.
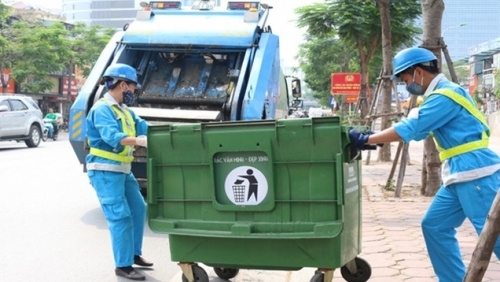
x,y
276,195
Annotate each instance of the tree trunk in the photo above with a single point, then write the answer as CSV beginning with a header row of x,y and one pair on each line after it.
x,y
363,106
4,83
344,108
423,177
70,78
432,166
2,69
482,253
449,62
384,5
432,12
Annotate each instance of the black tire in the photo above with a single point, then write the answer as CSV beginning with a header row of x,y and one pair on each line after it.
x,y
318,277
226,273
66,127
45,135
200,275
364,271
35,137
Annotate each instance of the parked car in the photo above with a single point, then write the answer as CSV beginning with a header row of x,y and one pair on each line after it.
x,y
20,119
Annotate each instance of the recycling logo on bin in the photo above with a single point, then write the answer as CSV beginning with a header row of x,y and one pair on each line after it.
x,y
246,185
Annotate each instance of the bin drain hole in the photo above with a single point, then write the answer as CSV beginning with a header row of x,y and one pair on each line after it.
x,y
220,145
258,144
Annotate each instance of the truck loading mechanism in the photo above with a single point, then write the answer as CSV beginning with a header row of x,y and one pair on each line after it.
x,y
194,64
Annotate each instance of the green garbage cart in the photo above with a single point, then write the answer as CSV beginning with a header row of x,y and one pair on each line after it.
x,y
272,195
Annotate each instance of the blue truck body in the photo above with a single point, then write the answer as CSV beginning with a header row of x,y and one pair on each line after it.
x,y
194,65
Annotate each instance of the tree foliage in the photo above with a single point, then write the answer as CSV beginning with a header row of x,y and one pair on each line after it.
x,y
356,24
35,50
7,38
87,43
45,50
318,58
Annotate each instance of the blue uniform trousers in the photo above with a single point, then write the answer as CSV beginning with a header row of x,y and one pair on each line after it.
x,y
125,211
451,205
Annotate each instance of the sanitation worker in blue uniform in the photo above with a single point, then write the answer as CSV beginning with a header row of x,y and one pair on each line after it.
x,y
113,132
470,171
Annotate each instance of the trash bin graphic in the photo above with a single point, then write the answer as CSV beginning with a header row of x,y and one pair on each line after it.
x,y
239,191
245,185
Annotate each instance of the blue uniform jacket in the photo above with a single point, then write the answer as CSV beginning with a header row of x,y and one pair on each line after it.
x,y
452,125
104,130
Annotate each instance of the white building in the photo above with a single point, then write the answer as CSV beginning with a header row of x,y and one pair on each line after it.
x,y
30,5
107,13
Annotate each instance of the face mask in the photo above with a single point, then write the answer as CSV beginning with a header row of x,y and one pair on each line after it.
x,y
128,97
415,88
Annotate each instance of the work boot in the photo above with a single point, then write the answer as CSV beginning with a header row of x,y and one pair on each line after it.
x,y
138,260
130,273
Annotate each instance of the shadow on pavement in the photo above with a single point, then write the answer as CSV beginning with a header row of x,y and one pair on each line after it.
x,y
95,218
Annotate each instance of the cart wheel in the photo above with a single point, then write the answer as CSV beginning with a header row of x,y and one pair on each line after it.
x,y
318,277
226,273
364,271
200,275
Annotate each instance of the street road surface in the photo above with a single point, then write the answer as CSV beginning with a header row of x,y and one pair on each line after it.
x,y
53,229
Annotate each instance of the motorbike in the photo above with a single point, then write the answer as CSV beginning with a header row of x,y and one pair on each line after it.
x,y
48,130
300,114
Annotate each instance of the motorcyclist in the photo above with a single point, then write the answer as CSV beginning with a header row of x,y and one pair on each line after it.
x,y
53,119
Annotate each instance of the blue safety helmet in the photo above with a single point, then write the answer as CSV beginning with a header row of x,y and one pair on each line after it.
x,y
409,57
121,72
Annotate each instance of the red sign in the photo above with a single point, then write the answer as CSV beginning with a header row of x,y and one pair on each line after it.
x,y
350,99
348,84
74,88
11,85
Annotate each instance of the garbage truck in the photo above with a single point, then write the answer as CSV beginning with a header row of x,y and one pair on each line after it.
x,y
233,182
194,64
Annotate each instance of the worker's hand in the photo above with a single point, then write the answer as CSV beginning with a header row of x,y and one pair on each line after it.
x,y
141,141
359,139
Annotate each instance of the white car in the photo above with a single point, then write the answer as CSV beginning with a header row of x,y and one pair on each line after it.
x,y
20,119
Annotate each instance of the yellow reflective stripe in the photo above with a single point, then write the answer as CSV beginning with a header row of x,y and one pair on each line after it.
x,y
111,156
126,119
464,102
128,126
438,147
470,146
464,148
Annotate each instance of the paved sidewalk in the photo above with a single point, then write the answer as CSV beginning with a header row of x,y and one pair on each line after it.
x,y
376,174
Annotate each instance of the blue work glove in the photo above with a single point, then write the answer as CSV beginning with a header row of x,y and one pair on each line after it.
x,y
359,139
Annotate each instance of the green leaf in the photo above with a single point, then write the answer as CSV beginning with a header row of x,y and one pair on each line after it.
x,y
333,30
